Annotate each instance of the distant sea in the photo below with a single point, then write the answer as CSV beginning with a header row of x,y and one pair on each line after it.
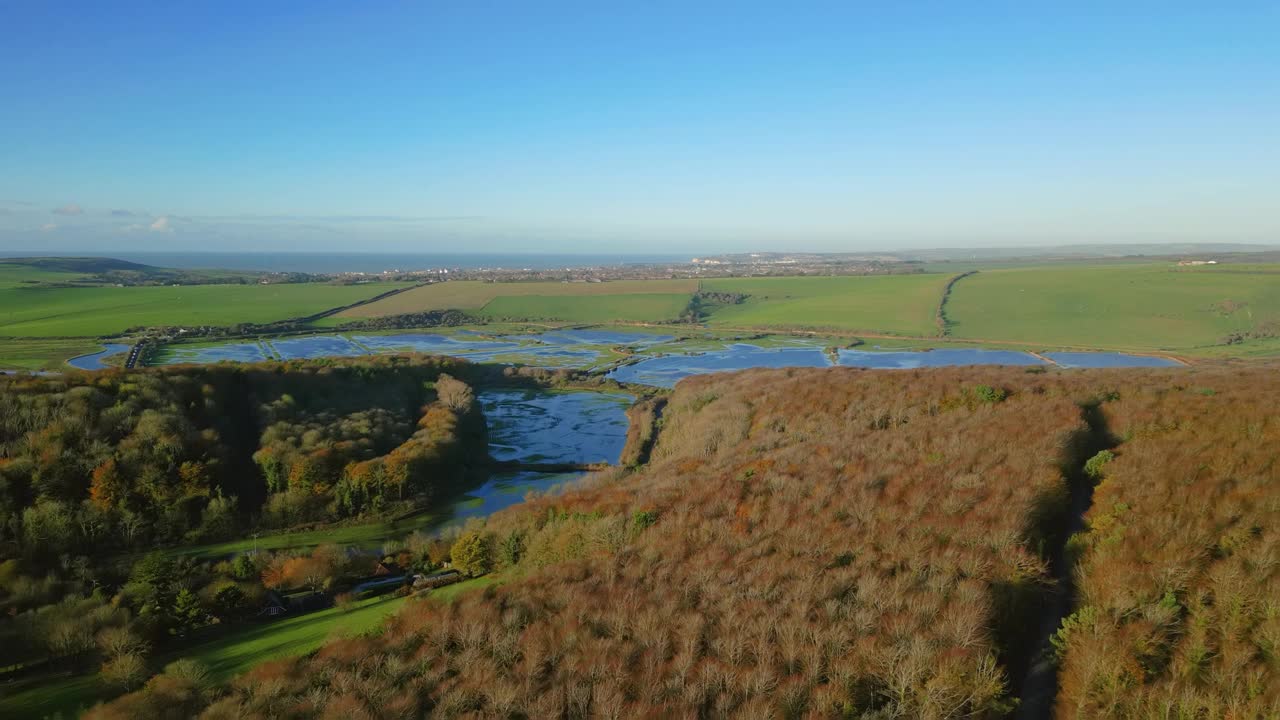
x,y
361,262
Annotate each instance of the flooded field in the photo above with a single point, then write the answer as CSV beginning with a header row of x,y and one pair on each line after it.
x,y
666,371
432,343
227,352
596,337
947,357
568,427
663,359
93,361
305,348
559,427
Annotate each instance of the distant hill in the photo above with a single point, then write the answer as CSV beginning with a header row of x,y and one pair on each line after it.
x,y
79,264
88,271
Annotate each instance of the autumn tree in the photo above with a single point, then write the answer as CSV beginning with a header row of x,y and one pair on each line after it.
x,y
470,554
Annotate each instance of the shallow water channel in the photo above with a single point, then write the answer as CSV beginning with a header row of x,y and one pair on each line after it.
x,y
93,361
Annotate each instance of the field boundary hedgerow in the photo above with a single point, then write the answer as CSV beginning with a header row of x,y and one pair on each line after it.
x,y
940,319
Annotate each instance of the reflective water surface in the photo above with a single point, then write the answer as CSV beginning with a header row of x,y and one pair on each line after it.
x,y
93,361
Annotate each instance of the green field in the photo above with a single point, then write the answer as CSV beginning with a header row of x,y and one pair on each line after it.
x,y
235,653
895,304
43,353
589,309
96,311
474,294
1144,307
14,275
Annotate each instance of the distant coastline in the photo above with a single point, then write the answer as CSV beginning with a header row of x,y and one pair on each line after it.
x,y
321,262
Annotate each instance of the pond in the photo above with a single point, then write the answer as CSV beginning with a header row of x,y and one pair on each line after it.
x,y
93,361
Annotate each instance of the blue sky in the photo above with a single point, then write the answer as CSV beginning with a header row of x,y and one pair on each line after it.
x,y
661,127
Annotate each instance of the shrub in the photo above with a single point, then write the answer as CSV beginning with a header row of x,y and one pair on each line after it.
x,y
989,395
1096,466
117,640
126,671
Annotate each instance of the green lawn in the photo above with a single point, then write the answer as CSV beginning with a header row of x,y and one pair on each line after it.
x,y
95,311
42,353
235,653
897,304
589,309
1143,307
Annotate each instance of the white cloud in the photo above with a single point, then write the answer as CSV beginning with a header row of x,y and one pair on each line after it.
x,y
161,225
69,209
48,227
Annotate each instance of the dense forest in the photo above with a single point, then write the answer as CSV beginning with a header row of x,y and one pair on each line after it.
x,y
114,461
845,543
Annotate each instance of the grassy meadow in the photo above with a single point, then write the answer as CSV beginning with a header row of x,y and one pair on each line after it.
x,y
475,295
1117,306
15,275
1092,305
43,353
897,304
589,308
96,311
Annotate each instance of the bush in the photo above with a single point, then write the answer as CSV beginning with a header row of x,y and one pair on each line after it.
x,y
988,395
1095,466
118,640
127,671
643,519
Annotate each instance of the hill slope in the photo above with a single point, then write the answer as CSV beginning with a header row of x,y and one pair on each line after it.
x,y
818,543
